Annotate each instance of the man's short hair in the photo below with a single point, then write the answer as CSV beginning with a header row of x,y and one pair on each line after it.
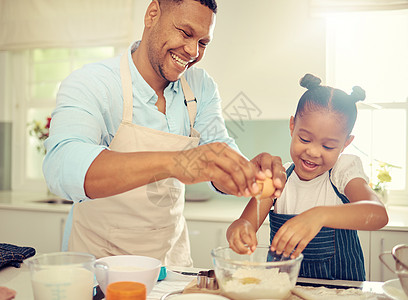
x,y
211,4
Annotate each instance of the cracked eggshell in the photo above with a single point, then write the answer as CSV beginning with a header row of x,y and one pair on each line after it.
x,y
267,188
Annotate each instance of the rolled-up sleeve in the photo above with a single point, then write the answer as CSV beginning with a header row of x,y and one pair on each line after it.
x,y
78,134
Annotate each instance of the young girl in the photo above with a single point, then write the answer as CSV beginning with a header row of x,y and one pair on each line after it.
x,y
326,198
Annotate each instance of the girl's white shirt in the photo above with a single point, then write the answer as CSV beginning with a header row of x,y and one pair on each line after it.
x,y
299,196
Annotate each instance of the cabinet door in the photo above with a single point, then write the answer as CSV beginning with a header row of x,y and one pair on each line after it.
x,y
41,230
205,236
381,241
365,242
263,235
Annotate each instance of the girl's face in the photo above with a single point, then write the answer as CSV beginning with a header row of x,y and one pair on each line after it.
x,y
318,138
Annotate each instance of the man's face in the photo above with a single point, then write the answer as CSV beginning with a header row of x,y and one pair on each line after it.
x,y
179,37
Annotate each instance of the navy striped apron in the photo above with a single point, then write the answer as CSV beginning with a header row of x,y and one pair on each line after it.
x,y
332,253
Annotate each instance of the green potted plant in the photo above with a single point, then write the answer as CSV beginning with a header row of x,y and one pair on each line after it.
x,y
383,178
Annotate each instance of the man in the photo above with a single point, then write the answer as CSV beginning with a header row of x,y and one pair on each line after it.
x,y
129,132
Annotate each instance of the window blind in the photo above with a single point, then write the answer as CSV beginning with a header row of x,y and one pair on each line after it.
x,y
338,6
26,24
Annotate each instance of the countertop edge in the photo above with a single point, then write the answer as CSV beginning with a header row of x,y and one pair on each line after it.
x,y
222,209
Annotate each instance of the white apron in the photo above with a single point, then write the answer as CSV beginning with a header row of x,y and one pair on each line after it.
x,y
147,220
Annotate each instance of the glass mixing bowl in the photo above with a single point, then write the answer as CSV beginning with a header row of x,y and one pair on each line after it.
x,y
253,276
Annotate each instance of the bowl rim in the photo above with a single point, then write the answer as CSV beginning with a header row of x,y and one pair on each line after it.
x,y
157,263
258,264
394,255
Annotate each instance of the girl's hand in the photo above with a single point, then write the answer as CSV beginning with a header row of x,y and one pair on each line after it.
x,y
296,233
241,236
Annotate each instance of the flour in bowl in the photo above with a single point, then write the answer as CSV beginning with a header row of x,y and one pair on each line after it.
x,y
257,283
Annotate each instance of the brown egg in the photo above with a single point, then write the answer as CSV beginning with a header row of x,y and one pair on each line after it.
x,y
266,187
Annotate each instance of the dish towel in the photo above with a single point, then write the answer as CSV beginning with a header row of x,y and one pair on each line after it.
x,y
12,255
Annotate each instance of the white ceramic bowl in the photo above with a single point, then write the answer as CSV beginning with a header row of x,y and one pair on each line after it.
x,y
244,277
141,269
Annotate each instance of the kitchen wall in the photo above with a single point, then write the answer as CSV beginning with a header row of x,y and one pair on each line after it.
x,y
256,136
262,48
252,138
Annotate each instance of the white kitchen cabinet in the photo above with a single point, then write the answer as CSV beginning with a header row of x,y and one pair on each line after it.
x,y
42,230
207,235
381,241
365,241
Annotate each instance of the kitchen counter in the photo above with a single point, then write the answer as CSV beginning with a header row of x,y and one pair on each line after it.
x,y
221,209
35,201
19,280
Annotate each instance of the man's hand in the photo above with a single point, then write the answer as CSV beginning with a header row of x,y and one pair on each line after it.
x,y
217,162
272,167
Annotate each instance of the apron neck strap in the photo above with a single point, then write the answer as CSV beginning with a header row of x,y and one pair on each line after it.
x,y
127,89
191,103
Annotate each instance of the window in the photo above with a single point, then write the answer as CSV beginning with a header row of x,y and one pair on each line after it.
x,y
36,75
370,49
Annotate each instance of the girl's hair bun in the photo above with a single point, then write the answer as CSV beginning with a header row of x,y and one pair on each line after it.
x,y
310,81
358,94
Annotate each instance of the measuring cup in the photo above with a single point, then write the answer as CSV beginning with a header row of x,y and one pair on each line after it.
x,y
400,255
62,275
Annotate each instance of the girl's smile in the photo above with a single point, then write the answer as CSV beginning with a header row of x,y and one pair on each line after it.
x,y
309,165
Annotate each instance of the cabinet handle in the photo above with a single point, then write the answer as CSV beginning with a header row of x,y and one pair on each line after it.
x,y
194,232
62,229
381,265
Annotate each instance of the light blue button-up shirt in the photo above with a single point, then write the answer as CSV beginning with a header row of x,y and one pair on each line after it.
x,y
89,111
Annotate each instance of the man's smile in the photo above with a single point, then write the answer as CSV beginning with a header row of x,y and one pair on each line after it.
x,y
178,60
